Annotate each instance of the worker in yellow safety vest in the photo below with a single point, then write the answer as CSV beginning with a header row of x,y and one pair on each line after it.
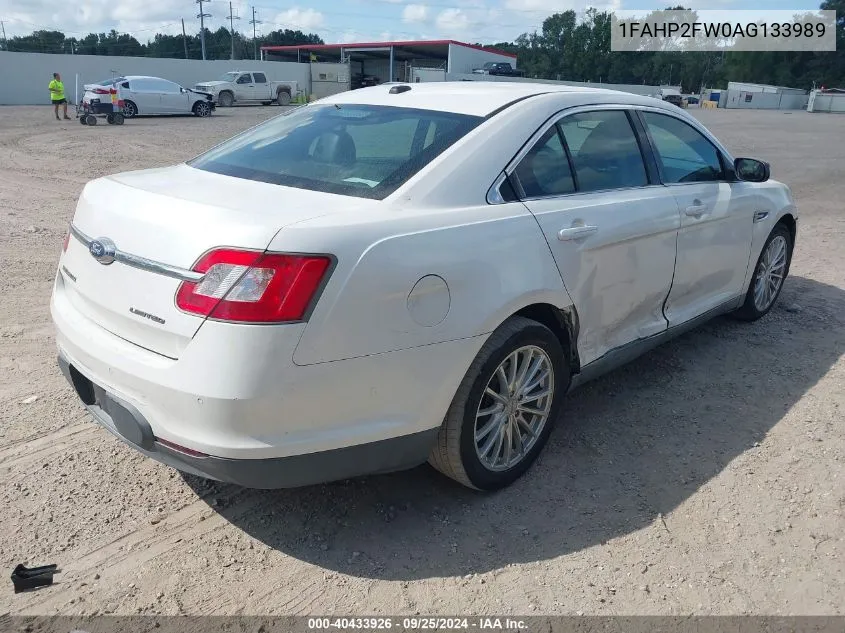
x,y
57,95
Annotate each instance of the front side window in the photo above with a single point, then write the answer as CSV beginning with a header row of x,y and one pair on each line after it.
x,y
244,79
357,150
545,169
143,85
684,154
604,149
163,85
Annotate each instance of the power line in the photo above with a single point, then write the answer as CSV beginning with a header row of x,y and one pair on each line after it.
x,y
202,15
184,38
254,23
232,18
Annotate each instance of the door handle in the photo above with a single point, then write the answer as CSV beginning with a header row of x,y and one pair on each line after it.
x,y
696,210
576,232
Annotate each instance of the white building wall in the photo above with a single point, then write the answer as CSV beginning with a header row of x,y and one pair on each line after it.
x,y
463,59
740,86
25,75
748,100
424,75
820,102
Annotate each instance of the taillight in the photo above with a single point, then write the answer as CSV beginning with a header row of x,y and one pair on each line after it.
x,y
101,91
66,242
251,286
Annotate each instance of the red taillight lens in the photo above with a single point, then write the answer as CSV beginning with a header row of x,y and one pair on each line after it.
x,y
101,91
254,287
66,242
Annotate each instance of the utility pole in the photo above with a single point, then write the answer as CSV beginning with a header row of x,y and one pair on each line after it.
x,y
254,22
184,38
232,18
6,43
202,15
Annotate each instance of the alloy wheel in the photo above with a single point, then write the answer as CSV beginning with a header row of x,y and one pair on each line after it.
x,y
770,273
514,408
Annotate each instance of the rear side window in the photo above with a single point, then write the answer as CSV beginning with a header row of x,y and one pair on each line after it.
x,y
260,78
357,150
605,152
545,169
684,154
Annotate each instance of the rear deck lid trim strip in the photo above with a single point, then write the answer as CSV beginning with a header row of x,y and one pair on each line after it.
x,y
136,261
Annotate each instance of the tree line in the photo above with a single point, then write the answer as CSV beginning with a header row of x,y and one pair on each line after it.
x,y
565,48
218,44
570,49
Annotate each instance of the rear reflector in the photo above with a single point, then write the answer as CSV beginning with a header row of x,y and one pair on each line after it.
x,y
181,449
66,242
253,287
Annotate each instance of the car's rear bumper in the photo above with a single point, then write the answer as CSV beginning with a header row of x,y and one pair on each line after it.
x,y
127,423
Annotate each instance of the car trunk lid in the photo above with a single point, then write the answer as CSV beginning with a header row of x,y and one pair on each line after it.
x,y
163,220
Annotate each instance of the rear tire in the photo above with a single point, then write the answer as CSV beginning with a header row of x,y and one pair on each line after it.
x,y
90,120
118,118
226,100
485,407
770,272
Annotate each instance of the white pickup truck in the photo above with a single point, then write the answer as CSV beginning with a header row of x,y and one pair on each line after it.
x,y
243,86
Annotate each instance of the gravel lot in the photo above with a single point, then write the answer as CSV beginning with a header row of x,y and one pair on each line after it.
x,y
705,477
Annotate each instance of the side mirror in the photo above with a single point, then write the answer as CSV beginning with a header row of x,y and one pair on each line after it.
x,y
751,170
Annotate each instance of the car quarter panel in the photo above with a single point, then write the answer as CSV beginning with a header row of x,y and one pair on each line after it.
x,y
407,280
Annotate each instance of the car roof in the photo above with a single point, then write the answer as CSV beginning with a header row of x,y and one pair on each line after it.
x,y
479,98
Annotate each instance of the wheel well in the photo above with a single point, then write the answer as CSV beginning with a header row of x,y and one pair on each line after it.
x,y
283,89
564,324
789,222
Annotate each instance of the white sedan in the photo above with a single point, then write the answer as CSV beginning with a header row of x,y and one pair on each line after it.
x,y
405,273
151,95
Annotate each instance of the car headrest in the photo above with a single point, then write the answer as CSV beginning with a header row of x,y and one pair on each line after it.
x,y
337,148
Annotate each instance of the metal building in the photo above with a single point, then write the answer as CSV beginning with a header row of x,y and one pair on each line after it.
x,y
762,97
338,67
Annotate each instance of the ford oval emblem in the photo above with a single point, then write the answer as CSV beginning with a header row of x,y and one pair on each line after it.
x,y
102,249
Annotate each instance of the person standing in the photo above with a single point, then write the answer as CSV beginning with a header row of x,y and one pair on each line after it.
x,y
57,95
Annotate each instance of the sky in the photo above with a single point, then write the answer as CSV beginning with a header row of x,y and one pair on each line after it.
x,y
484,21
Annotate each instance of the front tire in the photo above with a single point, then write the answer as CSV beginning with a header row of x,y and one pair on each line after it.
x,y
505,407
769,274
202,109
130,110
225,100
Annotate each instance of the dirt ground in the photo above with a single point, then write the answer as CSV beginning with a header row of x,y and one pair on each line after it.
x,y
706,477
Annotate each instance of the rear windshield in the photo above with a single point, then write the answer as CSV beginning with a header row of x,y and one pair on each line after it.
x,y
357,150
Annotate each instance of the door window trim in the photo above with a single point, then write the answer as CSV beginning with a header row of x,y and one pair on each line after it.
x,y
494,196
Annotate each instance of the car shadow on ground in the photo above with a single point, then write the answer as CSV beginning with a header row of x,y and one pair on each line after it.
x,y
630,447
